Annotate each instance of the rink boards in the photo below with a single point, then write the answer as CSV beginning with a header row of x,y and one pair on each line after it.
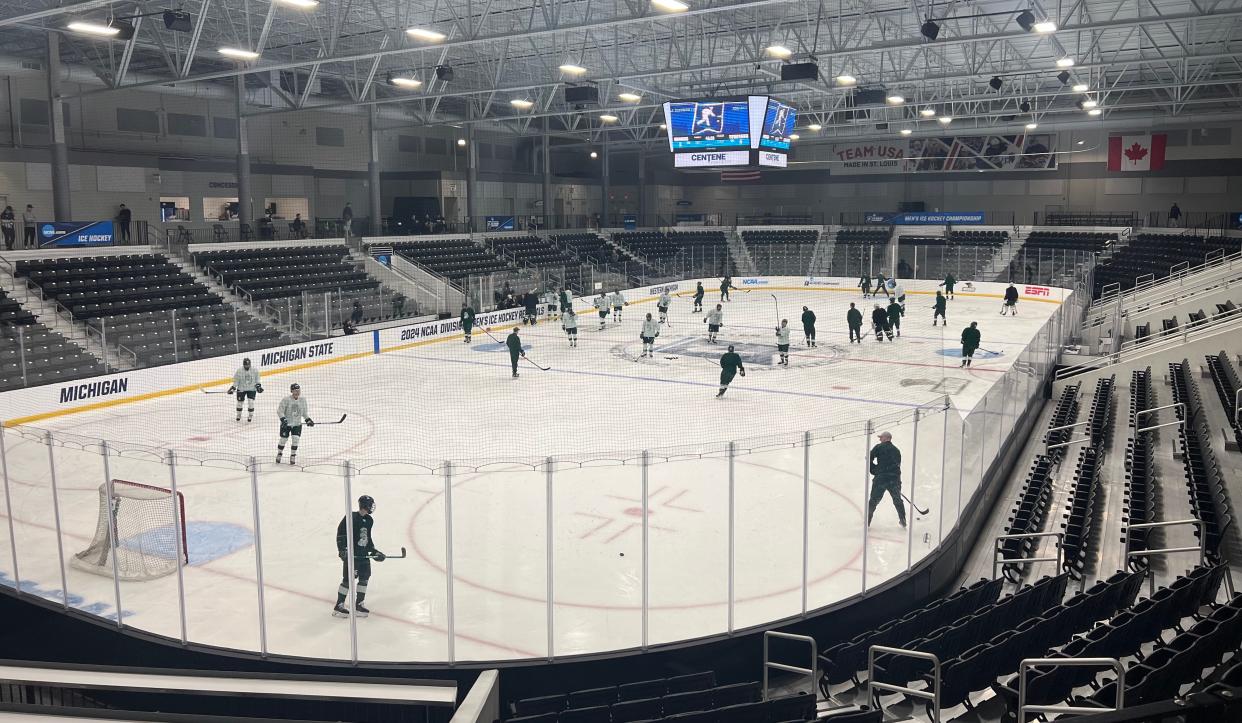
x,y
31,405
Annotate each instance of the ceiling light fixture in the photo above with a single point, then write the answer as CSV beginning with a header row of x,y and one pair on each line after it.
x,y
945,120
671,6
1089,104
846,79
431,36
301,4
906,131
1032,126
629,97
815,127
594,154
930,29
1066,62
663,126
927,112
794,137
521,103
238,53
778,51
571,69
97,29
895,99
1081,87
609,118
1046,26
1094,111
461,142
401,82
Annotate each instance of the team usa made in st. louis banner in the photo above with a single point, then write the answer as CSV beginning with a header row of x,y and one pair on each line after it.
x,y
1020,152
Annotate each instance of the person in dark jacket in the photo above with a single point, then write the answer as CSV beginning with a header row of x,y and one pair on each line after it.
x,y
808,325
467,321
8,224
894,316
730,366
123,217
1011,301
530,302
940,306
864,283
970,342
515,349
879,322
854,319
885,461
1175,215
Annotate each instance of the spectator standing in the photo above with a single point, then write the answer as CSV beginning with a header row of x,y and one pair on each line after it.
x,y
347,219
123,217
1175,215
298,226
29,240
8,223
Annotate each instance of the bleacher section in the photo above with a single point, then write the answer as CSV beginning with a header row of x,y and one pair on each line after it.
x,y
48,356
1070,240
781,252
1082,510
692,698
275,273
591,247
454,258
864,235
200,331
530,250
1140,486
979,238
1209,500
1155,254
659,245
101,286
1225,378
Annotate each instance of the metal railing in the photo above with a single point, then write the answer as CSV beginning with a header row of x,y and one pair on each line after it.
x,y
1110,293
768,665
1026,665
873,685
1160,341
998,559
1163,551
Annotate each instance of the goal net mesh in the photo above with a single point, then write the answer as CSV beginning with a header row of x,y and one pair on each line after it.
x,y
146,538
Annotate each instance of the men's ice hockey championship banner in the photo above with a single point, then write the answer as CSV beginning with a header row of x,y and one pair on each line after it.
x,y
1020,152
1136,153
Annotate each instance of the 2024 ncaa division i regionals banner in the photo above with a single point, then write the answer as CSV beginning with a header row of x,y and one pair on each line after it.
x,y
1036,152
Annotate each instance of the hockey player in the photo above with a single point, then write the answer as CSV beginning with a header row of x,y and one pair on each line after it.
x,y
940,306
293,413
885,464
601,306
548,300
651,329
782,341
714,320
898,293
808,326
880,284
726,283
879,322
567,300
854,319
970,342
662,305
246,385
1011,301
467,322
894,317
948,284
730,366
698,297
530,302
864,283
618,303
363,550
569,322
515,349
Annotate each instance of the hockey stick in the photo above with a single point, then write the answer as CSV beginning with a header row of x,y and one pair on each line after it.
x,y
916,507
342,419
392,557
997,353
542,369
206,391
778,308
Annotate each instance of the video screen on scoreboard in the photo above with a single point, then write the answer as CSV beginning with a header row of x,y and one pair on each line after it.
x,y
707,124
778,125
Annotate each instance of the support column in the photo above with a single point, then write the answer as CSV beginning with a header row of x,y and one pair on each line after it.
x,y
373,172
61,206
546,149
605,171
244,211
472,176
642,189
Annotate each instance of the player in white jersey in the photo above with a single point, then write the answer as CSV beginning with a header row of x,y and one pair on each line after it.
x,y
548,299
246,385
714,320
601,306
618,302
899,293
569,322
662,305
651,329
782,341
293,412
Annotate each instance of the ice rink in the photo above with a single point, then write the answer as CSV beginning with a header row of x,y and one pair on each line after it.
x,y
783,455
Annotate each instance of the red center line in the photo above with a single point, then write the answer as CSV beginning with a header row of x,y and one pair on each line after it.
x,y
882,361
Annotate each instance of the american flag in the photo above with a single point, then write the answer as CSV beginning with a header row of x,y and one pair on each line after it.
x,y
745,175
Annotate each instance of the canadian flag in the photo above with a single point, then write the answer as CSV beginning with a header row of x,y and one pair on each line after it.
x,y
1136,153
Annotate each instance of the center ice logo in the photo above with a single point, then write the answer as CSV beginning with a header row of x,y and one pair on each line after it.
x,y
492,346
752,354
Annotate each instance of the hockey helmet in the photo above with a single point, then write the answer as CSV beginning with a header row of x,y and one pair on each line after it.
x,y
367,503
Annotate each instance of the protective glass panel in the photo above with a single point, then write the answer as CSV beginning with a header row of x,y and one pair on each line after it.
x,y
836,513
925,483
768,485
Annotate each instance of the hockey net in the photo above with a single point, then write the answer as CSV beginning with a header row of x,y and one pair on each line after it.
x,y
146,538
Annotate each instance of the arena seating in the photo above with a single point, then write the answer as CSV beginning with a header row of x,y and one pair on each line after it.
x,y
275,273
1090,219
12,312
1155,255
49,357
99,286
1225,378
199,331
454,258
692,698
783,237
979,238
658,245
1070,240
590,247
1140,485
864,235
530,250
1081,510
1209,500
781,252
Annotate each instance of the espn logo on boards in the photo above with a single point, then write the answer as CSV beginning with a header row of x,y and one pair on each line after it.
x,y
1037,291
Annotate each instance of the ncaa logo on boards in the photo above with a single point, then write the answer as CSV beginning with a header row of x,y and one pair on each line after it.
x,y
48,230
1037,291
662,289
754,282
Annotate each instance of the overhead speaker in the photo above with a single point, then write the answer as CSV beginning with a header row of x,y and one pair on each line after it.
x,y
444,73
996,82
930,29
870,96
178,21
581,94
800,71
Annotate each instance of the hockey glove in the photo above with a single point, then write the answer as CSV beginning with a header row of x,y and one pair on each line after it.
x,y
310,422
341,554
742,371
258,388
232,390
379,556
284,428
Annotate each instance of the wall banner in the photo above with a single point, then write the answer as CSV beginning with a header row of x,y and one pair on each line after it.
x,y
68,234
935,154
